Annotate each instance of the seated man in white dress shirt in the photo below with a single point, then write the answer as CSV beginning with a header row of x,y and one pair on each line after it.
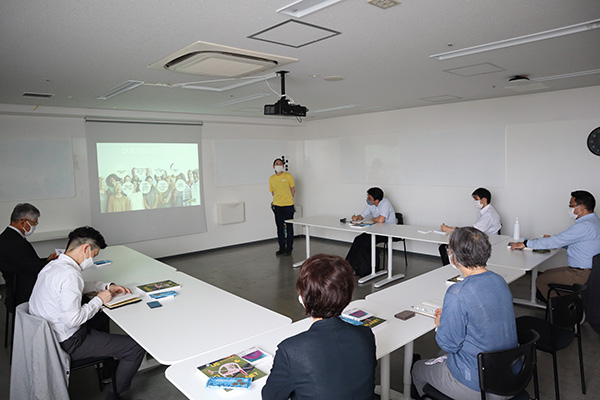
x,y
488,220
57,297
379,211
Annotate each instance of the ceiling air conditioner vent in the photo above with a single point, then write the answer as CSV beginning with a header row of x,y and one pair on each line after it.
x,y
208,59
37,95
219,63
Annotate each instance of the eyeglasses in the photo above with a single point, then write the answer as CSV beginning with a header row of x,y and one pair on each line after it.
x,y
574,205
32,222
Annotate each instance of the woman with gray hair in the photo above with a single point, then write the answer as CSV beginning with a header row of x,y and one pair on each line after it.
x,y
477,316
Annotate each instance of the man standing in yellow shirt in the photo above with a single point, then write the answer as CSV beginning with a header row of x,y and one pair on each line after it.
x,y
281,185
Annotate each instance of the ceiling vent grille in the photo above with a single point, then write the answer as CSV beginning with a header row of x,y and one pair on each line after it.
x,y
384,3
209,59
37,95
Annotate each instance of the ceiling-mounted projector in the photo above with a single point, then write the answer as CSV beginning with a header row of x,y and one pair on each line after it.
x,y
283,106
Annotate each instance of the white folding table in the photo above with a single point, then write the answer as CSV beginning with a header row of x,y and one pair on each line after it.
x,y
391,231
526,260
199,319
429,286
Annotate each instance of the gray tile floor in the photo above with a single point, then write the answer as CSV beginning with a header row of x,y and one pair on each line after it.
x,y
254,272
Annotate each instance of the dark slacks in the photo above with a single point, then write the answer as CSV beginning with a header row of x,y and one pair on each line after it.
x,y
359,255
91,343
285,232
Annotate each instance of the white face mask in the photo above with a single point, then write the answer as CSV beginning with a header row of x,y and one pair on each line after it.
x,y
278,168
87,262
29,232
451,263
572,213
300,300
477,204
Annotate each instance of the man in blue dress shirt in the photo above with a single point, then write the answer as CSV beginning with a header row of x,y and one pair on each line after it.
x,y
582,241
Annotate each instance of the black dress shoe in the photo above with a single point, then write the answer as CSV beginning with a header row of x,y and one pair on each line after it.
x,y
280,252
287,253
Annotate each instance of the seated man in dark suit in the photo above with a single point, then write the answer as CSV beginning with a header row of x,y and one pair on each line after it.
x,y
333,360
19,263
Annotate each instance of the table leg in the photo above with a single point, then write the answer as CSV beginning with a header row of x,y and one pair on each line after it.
x,y
408,358
384,389
299,263
390,278
374,273
534,273
384,363
532,302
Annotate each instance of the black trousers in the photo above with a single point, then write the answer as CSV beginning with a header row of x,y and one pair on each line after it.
x,y
92,343
359,255
285,232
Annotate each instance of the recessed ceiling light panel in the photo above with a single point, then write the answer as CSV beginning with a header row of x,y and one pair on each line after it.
x,y
534,37
301,8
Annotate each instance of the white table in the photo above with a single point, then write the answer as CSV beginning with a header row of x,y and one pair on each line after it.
x,y
526,260
127,266
186,377
389,337
411,292
407,232
199,319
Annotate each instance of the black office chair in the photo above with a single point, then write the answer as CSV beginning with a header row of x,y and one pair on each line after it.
x,y
504,372
100,364
443,249
10,305
383,249
35,341
561,325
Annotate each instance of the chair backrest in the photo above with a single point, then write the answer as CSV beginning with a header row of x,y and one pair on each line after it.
x,y
10,300
591,297
443,249
508,372
399,219
40,368
566,311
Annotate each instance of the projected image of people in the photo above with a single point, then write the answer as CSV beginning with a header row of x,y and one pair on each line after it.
x,y
145,176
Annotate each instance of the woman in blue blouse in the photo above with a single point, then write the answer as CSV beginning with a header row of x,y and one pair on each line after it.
x,y
477,316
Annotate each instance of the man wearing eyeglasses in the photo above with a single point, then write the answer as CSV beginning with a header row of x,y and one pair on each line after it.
x,y
582,241
19,262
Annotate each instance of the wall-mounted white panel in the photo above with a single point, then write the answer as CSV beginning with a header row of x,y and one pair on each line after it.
x,y
246,162
230,213
370,159
36,168
470,156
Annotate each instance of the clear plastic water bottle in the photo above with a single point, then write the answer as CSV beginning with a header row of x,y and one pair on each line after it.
x,y
517,230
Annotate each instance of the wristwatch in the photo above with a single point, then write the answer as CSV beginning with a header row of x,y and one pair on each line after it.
x,y
525,242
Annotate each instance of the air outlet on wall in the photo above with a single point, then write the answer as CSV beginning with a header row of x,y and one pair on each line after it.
x,y
37,95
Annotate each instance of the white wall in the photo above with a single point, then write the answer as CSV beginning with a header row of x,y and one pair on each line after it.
x,y
546,159
66,214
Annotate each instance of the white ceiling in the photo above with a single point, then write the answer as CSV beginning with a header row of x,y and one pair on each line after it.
x,y
79,49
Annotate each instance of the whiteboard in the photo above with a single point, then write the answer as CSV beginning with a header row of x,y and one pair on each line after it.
x,y
468,157
36,168
454,157
246,162
370,159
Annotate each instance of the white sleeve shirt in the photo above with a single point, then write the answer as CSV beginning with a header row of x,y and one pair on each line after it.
x,y
57,295
488,220
384,208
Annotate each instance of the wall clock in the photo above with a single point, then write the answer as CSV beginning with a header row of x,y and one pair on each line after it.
x,y
593,141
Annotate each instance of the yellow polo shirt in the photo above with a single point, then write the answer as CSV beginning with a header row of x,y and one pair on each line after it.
x,y
281,186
